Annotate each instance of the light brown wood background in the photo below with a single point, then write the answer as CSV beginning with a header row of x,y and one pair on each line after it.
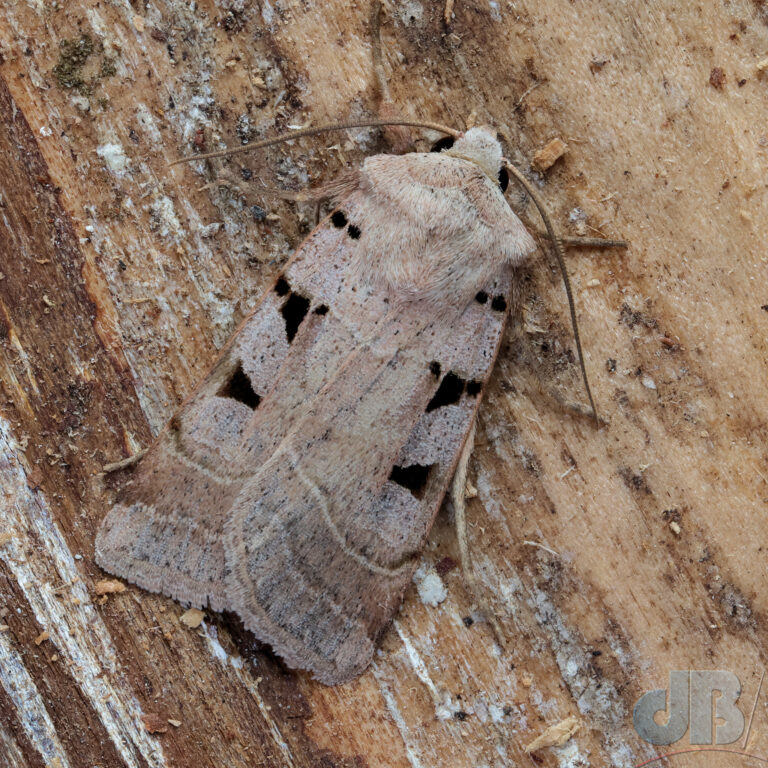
x,y
121,278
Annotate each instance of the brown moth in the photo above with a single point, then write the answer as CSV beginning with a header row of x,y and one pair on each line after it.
x,y
297,485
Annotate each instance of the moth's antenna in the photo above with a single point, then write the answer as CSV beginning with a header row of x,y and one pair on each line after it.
x,y
314,132
566,281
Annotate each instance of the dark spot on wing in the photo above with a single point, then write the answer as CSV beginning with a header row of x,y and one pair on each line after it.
x,y
238,387
413,478
353,231
282,287
338,219
435,368
481,297
448,393
474,388
294,311
321,310
499,303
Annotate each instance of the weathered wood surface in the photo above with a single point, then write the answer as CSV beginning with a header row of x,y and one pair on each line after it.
x,y
121,278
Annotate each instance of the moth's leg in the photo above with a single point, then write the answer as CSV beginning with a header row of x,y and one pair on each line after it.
x,y
545,384
123,463
586,242
566,404
458,498
593,242
575,242
398,136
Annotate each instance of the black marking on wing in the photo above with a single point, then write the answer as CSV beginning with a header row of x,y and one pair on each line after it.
x,y
448,393
294,311
451,389
282,287
474,388
499,304
414,478
238,387
481,297
338,219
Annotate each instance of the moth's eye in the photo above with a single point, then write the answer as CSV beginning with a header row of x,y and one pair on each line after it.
x,y
503,179
445,143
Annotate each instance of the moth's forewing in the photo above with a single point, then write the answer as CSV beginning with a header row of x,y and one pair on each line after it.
x,y
298,483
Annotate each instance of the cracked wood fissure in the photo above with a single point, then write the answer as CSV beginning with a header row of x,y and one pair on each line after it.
x,y
120,279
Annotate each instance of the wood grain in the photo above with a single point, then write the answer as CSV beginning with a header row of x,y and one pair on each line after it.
x,y
117,292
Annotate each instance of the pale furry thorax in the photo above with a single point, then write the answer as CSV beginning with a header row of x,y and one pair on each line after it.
x,y
436,226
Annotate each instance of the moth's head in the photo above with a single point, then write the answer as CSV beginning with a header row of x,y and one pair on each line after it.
x,y
479,146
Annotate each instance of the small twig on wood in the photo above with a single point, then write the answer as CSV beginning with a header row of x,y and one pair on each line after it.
x,y
448,13
519,102
116,465
540,546
586,242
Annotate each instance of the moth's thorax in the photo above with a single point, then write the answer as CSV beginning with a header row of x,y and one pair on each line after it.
x,y
479,146
436,226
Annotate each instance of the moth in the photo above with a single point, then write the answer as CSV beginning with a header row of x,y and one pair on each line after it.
x,y
298,483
